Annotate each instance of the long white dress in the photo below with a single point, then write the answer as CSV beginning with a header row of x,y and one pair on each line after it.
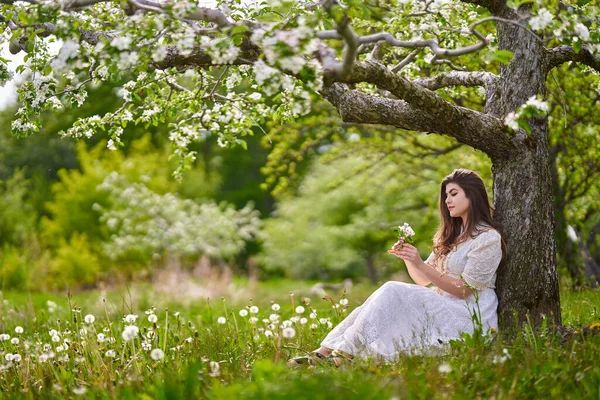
x,y
406,318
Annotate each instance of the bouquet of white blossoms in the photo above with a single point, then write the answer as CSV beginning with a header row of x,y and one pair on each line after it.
x,y
405,234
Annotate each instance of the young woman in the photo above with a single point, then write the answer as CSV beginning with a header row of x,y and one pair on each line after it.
x,y
400,317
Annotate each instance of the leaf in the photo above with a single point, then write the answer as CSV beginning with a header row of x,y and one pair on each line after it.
x,y
503,56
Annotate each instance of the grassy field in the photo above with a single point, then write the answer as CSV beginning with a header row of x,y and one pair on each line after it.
x,y
141,343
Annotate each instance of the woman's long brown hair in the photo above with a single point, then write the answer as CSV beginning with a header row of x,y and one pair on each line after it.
x,y
479,217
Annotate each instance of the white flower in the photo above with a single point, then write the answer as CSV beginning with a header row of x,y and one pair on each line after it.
x,y
582,31
299,310
344,302
16,357
254,310
273,317
253,320
89,319
511,121
101,337
313,315
56,338
541,21
8,357
303,321
255,96
121,42
534,102
243,312
275,307
221,320
4,336
130,318
444,368
160,54
19,329
152,318
130,332
111,354
288,332
157,354
268,333
14,340
286,324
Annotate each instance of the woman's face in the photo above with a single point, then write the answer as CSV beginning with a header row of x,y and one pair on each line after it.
x,y
456,201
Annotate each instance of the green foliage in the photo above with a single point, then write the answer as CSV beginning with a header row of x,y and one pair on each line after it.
x,y
14,268
17,215
72,207
74,264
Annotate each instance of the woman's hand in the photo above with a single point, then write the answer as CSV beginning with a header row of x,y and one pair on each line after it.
x,y
407,252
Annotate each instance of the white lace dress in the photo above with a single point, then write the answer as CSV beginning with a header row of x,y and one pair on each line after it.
x,y
401,317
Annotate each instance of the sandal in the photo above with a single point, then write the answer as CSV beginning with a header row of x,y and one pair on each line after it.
x,y
301,361
311,360
337,358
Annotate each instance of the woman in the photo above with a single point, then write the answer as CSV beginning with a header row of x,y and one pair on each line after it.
x,y
401,317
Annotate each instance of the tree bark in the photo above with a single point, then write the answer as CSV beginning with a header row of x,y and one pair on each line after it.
x,y
371,271
527,284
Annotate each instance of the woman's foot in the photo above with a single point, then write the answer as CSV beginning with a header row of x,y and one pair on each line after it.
x,y
321,355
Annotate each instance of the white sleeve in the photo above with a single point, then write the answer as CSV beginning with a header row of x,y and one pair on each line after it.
x,y
483,260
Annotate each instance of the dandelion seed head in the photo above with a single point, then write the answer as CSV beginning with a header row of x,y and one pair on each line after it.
x,y
275,307
274,317
299,310
222,320
56,338
313,315
110,353
14,341
344,302
254,310
152,318
444,368
314,326
288,332
243,312
253,320
286,323
130,318
101,337
19,329
16,358
89,319
130,332
157,354
214,368
79,390
268,333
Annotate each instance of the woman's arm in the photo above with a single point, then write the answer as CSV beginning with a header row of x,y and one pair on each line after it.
x,y
426,272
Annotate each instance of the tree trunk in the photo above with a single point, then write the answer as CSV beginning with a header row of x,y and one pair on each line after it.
x,y
527,283
371,271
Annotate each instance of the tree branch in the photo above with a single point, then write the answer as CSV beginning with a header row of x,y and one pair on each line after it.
x,y
562,54
458,78
475,129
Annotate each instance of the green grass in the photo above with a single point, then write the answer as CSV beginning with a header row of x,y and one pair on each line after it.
x,y
206,359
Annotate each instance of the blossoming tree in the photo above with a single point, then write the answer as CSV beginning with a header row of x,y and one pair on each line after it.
x,y
474,70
